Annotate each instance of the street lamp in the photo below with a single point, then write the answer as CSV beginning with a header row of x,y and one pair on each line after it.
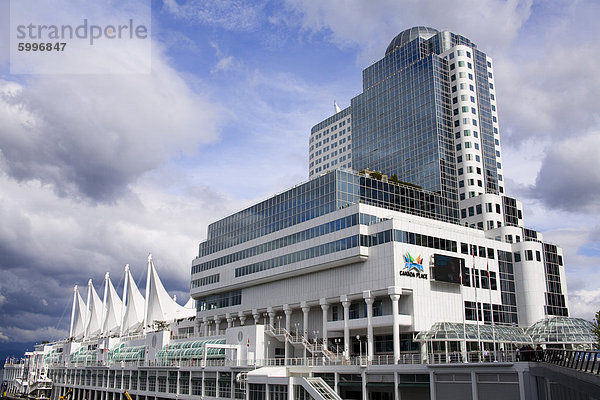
x,y
337,345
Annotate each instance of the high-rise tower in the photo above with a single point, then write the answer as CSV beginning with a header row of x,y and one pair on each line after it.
x,y
427,114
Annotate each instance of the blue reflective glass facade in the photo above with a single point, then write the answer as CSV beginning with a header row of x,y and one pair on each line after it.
x,y
402,122
320,196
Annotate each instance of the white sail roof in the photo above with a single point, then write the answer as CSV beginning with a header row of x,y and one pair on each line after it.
x,y
78,315
133,304
159,305
112,305
94,312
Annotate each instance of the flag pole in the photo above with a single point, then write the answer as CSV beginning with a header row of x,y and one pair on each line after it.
x,y
477,306
491,310
465,354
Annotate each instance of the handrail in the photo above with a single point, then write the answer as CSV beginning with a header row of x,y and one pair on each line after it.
x,y
579,360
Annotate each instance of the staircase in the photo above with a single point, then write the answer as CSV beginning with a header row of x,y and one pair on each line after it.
x,y
319,390
315,348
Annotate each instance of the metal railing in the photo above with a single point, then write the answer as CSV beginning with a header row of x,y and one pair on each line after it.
x,y
580,360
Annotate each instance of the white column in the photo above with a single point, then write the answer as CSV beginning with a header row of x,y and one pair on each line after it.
x,y
369,304
346,305
395,296
324,307
217,323
205,321
271,316
242,318
256,316
228,319
305,310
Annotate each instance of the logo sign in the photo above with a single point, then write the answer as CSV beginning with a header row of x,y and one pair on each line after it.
x,y
411,264
413,267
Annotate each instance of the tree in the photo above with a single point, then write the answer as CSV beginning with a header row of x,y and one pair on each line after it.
x,y
596,323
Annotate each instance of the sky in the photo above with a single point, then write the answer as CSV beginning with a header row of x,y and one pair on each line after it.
x,y
98,170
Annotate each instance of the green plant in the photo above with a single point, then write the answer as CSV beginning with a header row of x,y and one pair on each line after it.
x,y
376,175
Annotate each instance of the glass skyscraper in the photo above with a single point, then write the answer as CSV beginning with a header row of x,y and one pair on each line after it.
x,y
427,114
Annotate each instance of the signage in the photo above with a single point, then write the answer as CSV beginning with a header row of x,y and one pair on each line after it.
x,y
413,267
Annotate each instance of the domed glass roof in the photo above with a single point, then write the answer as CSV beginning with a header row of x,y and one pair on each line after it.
x,y
410,34
562,330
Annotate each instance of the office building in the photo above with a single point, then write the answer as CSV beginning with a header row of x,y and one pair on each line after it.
x,y
400,260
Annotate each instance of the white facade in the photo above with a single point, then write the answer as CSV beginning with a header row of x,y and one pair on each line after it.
x,y
330,144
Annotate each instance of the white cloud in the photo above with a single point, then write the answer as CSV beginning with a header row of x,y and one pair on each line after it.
x,y
584,303
372,25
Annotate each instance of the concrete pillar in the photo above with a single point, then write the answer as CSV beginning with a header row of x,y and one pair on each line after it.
x,y
217,323
256,316
205,321
271,314
346,305
242,318
324,307
229,320
363,379
369,304
395,296
305,310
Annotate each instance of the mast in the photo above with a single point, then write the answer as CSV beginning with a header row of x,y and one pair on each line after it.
x,y
75,290
126,280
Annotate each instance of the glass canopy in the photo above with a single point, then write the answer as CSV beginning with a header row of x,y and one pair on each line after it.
x,y
452,331
123,353
191,349
562,330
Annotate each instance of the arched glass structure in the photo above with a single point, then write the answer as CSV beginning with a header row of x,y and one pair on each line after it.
x,y
563,332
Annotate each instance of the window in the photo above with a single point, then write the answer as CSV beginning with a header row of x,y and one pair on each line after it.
x,y
478,209
460,171
463,212
465,109
467,132
538,256
457,135
529,255
471,211
461,63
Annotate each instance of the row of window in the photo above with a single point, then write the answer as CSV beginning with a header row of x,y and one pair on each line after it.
x,y
307,234
206,280
297,256
219,300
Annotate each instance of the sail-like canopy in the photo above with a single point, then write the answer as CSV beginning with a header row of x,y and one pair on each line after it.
x,y
160,306
112,308
133,303
94,312
78,315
